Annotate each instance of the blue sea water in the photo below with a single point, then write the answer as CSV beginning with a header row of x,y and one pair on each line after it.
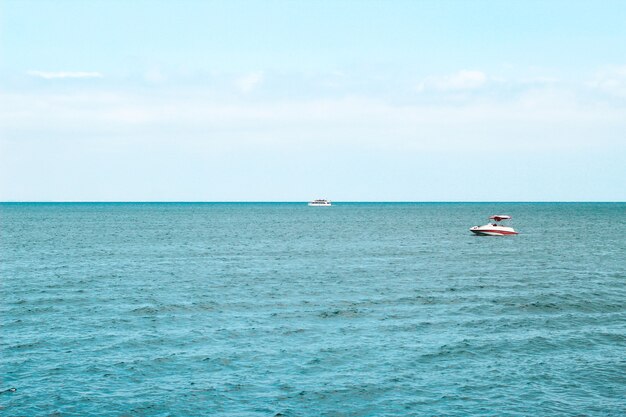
x,y
283,309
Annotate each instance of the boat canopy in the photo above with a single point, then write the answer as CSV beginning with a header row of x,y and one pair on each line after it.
x,y
500,217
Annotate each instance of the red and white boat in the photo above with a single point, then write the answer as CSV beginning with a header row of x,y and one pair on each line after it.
x,y
494,229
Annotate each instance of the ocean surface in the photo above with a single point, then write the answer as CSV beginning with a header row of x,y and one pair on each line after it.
x,y
279,309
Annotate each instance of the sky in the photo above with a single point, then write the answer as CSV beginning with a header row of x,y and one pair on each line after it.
x,y
295,100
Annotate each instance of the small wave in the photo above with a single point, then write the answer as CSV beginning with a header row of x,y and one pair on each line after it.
x,y
350,312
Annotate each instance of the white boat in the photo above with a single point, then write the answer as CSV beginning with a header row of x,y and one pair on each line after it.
x,y
320,203
494,228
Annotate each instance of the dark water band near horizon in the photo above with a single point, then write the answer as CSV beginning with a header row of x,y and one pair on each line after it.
x,y
264,309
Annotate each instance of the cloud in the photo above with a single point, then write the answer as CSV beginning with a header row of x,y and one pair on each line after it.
x,y
537,119
154,75
611,80
49,75
249,82
459,81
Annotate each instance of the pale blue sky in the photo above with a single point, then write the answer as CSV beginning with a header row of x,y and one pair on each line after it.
x,y
277,100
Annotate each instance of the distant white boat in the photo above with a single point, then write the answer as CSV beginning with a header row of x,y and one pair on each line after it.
x,y
494,229
320,203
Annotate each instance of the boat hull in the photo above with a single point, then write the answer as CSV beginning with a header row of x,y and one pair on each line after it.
x,y
493,231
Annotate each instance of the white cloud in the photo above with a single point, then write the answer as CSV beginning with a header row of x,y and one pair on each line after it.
x,y
611,80
537,119
49,75
154,75
461,80
249,82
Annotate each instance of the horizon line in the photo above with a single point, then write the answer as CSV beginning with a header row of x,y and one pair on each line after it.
x,y
295,201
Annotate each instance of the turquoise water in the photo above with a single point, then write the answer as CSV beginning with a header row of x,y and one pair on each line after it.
x,y
352,310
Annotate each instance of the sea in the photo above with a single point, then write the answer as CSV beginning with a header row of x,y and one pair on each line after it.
x,y
280,309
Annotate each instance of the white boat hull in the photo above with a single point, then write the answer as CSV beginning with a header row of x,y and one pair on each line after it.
x,y
320,202
491,230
